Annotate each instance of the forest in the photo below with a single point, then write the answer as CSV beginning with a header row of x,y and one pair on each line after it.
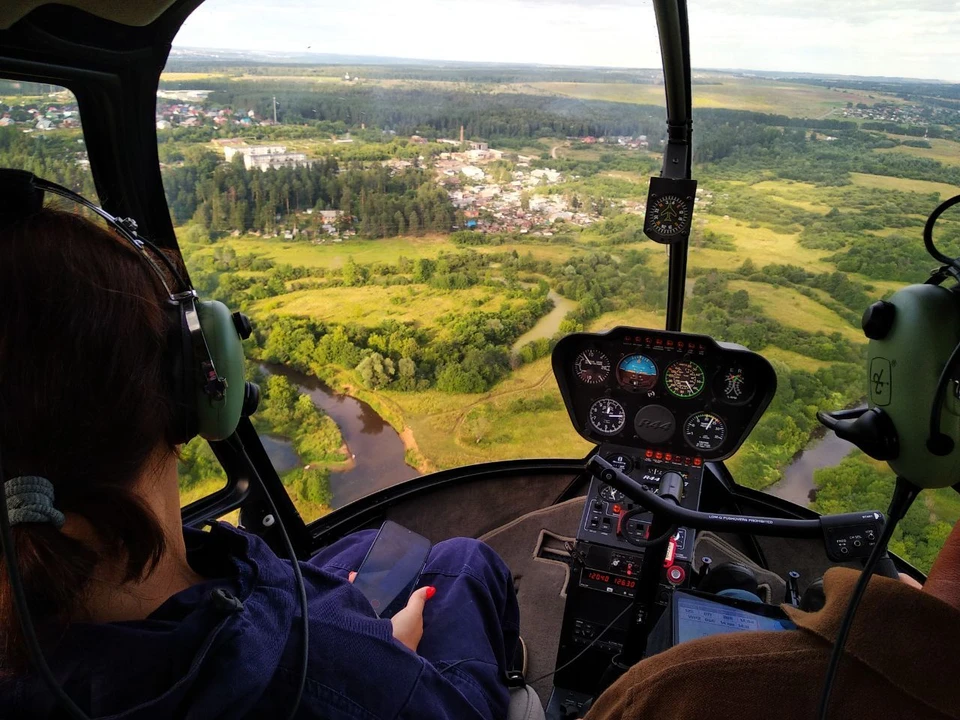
x,y
226,197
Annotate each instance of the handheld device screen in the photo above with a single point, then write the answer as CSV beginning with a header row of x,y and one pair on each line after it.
x,y
390,571
697,617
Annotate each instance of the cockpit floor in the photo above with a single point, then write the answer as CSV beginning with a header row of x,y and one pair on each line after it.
x,y
533,548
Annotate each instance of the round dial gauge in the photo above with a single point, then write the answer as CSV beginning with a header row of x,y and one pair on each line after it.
x,y
610,493
637,373
669,215
733,385
621,462
684,379
592,367
704,431
607,416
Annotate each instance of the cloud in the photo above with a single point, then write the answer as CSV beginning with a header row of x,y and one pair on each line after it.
x,y
910,38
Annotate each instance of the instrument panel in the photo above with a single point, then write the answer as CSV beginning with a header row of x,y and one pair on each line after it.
x,y
675,393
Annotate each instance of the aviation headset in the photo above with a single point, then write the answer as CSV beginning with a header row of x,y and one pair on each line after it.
x,y
209,389
204,350
913,420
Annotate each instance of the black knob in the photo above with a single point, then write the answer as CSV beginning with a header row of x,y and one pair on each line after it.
x,y
792,595
705,563
251,399
242,323
878,319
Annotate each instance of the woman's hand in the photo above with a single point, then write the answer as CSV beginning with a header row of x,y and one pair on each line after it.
x,y
408,623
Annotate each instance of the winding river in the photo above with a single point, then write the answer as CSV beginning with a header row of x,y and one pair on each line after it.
x,y
797,483
549,324
378,451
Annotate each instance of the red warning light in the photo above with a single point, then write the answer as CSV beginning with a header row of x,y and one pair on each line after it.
x,y
617,509
668,457
649,453
697,461
658,456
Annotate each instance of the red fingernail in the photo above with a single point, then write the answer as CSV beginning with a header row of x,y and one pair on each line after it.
x,y
431,591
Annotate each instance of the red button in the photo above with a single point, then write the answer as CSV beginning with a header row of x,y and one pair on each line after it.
x,y
616,509
676,575
668,457
658,456
649,453
697,461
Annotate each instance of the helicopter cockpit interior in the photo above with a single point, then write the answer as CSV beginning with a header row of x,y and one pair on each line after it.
x,y
643,541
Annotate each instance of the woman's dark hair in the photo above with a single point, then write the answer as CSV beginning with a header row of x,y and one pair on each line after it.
x,y
84,401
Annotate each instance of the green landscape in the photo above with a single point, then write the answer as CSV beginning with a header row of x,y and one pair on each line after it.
x,y
423,219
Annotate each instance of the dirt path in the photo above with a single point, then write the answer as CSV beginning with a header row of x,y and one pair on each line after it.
x,y
465,410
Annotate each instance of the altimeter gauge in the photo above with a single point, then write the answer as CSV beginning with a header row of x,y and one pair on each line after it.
x,y
607,416
592,367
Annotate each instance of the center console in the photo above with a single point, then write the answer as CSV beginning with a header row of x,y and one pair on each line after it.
x,y
654,402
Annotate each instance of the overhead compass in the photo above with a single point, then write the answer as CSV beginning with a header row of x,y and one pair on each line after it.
x,y
669,215
669,209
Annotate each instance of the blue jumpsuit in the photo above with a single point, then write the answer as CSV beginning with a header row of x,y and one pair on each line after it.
x,y
230,647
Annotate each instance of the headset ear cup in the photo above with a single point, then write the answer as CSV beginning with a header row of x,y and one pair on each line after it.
x,y
217,420
183,378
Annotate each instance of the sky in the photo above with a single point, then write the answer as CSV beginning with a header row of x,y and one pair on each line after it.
x,y
903,38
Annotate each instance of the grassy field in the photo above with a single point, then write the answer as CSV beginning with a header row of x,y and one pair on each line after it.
x,y
793,99
795,361
523,416
797,194
760,244
635,317
945,151
333,255
796,310
372,304
190,76
904,184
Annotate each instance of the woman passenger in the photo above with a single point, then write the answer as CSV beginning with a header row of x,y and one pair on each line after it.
x,y
140,618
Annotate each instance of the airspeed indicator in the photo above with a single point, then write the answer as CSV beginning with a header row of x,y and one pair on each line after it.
x,y
592,367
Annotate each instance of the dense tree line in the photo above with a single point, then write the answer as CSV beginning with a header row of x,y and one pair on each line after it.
x,y
860,484
53,156
435,111
377,202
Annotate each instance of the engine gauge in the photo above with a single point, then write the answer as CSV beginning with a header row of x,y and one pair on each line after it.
x,y
610,493
684,378
637,373
607,416
623,463
733,385
704,431
592,367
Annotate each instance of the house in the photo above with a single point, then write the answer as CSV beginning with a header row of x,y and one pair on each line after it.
x,y
264,157
163,124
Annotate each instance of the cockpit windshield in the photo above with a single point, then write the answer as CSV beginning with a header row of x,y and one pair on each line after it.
x,y
414,203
